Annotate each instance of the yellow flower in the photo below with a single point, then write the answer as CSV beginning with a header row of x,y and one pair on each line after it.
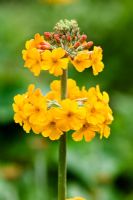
x,y
18,105
54,61
95,112
70,115
39,110
50,128
20,116
81,61
76,198
32,60
87,131
104,129
33,43
55,93
96,60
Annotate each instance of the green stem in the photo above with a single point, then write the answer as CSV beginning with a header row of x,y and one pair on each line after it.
x,y
62,148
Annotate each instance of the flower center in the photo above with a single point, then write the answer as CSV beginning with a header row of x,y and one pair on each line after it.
x,y
69,114
37,109
54,60
52,123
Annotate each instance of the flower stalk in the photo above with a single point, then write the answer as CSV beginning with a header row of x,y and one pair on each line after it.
x,y
62,148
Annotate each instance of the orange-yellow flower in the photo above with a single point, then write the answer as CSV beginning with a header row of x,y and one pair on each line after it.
x,y
87,131
81,61
51,128
96,60
76,198
33,43
70,115
55,93
32,60
54,61
18,105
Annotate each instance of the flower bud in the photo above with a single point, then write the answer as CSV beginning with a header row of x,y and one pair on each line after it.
x,y
68,38
46,47
47,35
63,37
83,38
57,37
88,44
77,44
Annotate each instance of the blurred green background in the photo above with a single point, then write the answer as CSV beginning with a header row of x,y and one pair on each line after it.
x,y
100,170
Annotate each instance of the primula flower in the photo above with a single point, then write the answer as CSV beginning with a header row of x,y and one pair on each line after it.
x,y
87,131
81,61
70,115
18,105
96,60
32,59
54,61
55,93
50,128
33,43
76,198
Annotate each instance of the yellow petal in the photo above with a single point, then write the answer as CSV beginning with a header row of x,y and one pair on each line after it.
x,y
58,53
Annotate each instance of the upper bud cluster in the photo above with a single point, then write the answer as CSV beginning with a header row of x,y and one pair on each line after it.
x,y
67,26
67,35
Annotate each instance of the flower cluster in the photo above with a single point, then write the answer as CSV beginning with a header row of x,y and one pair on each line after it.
x,y
54,50
86,112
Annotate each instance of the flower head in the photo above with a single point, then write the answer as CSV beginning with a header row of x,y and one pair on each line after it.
x,y
86,112
56,49
54,61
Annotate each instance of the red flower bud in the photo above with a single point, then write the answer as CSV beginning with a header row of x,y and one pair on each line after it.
x,y
88,45
77,44
47,35
57,37
45,46
69,38
63,37
83,38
